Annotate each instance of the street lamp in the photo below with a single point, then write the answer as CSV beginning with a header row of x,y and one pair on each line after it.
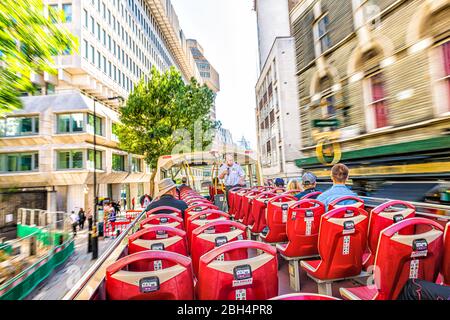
x,y
93,234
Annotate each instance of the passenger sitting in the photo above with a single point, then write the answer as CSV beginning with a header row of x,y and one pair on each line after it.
x,y
309,181
294,184
166,197
279,183
339,175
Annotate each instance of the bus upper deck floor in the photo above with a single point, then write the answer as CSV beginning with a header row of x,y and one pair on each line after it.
x,y
222,249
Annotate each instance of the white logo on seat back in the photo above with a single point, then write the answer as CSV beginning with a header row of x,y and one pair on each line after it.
x,y
346,246
414,269
241,294
157,265
308,227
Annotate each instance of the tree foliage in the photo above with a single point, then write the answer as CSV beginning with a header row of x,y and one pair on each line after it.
x,y
164,113
28,40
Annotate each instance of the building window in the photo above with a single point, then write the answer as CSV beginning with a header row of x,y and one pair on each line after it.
x,y
70,123
118,162
92,25
19,126
52,12
94,125
71,159
86,18
86,50
322,37
98,160
67,8
378,101
136,165
19,162
114,136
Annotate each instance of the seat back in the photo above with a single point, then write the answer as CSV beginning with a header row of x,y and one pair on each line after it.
x,y
276,217
232,200
311,195
344,202
196,209
170,220
445,270
401,257
258,211
215,234
304,296
292,192
382,217
238,201
342,242
302,228
255,278
172,283
202,218
247,205
158,237
164,209
241,203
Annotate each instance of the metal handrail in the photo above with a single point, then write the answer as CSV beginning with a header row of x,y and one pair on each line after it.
x,y
419,207
76,289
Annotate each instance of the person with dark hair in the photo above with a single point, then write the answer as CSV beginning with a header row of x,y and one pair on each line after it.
x,y
183,182
339,176
279,182
82,218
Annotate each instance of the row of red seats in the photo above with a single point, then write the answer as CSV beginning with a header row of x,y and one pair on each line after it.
x,y
158,266
340,236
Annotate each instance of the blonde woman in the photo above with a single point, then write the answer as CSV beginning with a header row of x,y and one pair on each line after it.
x,y
294,184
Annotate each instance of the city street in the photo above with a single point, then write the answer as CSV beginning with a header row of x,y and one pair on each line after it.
x,y
66,276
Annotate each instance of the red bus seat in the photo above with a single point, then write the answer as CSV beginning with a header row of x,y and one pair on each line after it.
x,y
292,192
276,218
302,229
173,283
382,217
164,210
158,237
342,242
169,220
304,296
202,218
231,198
196,209
215,234
247,206
255,278
258,213
445,270
358,203
311,195
401,257
239,202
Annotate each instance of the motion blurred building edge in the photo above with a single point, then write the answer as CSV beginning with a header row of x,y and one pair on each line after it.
x,y
380,71
46,157
373,76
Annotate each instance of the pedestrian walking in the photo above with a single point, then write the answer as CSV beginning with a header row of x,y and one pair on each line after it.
x,y
82,218
90,219
75,220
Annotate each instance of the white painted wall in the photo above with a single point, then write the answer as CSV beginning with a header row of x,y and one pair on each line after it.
x,y
273,21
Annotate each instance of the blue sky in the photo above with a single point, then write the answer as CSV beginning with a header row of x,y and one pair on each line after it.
x,y
226,29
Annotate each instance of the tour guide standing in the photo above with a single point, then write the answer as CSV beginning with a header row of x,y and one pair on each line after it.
x,y
232,174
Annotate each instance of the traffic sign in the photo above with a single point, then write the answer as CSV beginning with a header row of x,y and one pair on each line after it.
x,y
319,123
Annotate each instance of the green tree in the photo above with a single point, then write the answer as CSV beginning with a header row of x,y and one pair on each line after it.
x,y
163,113
28,40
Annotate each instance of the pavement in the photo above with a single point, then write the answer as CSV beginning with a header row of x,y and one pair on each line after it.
x,y
66,276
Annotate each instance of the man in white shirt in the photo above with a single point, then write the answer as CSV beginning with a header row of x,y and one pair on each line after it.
x,y
232,174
